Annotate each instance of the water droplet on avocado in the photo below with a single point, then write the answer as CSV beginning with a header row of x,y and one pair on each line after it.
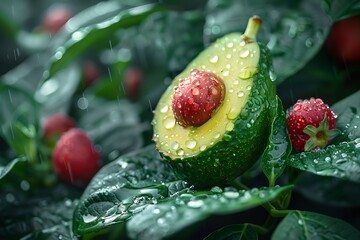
x,y
236,82
241,94
233,113
230,45
191,144
217,135
248,87
228,56
228,66
180,152
244,53
164,109
229,127
203,148
169,122
175,145
226,73
242,43
214,59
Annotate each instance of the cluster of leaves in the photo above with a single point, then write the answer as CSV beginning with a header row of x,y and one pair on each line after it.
x,y
137,194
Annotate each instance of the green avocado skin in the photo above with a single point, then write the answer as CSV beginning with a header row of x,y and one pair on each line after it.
x,y
240,148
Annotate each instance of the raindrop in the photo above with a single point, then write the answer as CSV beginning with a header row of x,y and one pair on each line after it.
x,y
248,87
231,194
242,43
302,155
241,94
195,203
344,155
229,126
316,161
191,144
228,66
214,59
169,122
180,152
175,145
230,45
261,195
226,73
228,56
217,135
203,148
233,113
164,109
58,55
300,222
89,218
10,198
244,53
216,189
156,211
83,103
77,36
236,82
327,159
272,75
25,186
309,42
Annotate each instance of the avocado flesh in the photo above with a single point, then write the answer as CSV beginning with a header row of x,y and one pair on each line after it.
x,y
234,58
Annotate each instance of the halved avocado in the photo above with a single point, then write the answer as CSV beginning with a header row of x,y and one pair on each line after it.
x,y
235,136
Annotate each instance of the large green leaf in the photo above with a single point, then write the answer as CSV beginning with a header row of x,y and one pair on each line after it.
x,y
340,9
236,231
45,215
273,161
329,190
84,38
7,168
175,213
341,161
301,225
348,117
294,31
143,188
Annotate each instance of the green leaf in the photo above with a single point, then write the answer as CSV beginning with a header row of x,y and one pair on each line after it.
x,y
340,9
236,231
86,37
329,191
348,117
45,215
143,188
273,161
294,31
6,169
341,161
124,187
174,213
301,225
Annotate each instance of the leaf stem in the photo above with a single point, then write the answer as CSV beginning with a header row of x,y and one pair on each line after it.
x,y
259,229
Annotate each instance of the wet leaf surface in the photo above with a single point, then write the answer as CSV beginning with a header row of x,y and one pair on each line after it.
x,y
238,231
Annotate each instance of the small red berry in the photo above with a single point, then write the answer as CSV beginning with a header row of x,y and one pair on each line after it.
x,y
343,41
311,124
55,18
132,81
55,125
197,97
75,159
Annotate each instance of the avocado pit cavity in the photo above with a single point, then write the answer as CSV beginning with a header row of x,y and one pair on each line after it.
x,y
197,97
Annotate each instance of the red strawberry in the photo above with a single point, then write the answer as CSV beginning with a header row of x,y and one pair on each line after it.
x,y
311,124
56,17
197,97
56,125
75,159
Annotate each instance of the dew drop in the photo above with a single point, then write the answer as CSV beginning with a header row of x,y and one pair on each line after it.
x,y
191,144
327,159
230,45
228,66
242,43
203,148
241,94
248,87
164,109
316,161
180,152
300,222
195,204
195,91
244,53
233,113
156,211
344,155
228,56
214,59
231,194
226,73
236,82
229,126
217,135
231,90
175,145
89,218
169,122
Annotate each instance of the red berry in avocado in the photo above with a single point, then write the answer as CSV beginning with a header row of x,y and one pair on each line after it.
x,y
55,18
344,40
311,124
75,159
197,97
55,125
